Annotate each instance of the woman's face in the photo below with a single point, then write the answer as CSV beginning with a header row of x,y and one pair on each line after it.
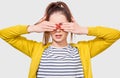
x,y
58,35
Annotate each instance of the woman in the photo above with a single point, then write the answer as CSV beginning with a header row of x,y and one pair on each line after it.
x,y
59,58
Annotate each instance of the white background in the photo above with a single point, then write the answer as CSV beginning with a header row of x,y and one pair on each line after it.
x,y
14,64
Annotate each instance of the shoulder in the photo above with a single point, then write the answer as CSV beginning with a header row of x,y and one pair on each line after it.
x,y
80,44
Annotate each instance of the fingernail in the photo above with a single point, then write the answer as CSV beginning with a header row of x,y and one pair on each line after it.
x,y
60,23
58,26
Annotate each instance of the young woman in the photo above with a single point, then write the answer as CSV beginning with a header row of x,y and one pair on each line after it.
x,y
59,58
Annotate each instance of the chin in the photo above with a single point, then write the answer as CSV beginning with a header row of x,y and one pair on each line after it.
x,y
58,41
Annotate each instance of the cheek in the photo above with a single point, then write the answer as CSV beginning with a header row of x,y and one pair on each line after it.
x,y
65,34
52,32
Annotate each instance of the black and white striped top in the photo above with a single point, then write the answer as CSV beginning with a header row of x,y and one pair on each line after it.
x,y
60,63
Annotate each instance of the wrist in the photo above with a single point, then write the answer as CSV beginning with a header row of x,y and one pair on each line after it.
x,y
84,30
31,28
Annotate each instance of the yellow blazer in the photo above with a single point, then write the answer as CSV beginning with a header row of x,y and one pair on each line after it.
x,y
87,49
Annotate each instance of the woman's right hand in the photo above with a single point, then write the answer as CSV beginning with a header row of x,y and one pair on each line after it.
x,y
42,26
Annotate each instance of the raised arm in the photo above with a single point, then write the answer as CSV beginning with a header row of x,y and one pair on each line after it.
x,y
12,35
104,36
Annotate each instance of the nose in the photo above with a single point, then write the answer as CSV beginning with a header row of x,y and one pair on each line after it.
x,y
58,30
58,27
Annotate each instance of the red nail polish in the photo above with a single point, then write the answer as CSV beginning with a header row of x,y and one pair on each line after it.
x,y
58,26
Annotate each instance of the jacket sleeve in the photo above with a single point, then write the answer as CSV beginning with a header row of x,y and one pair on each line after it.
x,y
12,35
104,38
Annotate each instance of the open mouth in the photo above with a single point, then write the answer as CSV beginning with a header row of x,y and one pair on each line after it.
x,y
58,36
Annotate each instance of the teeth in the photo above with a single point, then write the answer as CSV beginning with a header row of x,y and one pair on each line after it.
x,y
58,35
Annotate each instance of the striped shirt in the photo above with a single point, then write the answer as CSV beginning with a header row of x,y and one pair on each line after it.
x,y
60,63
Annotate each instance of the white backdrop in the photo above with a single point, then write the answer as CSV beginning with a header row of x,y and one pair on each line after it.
x,y
14,64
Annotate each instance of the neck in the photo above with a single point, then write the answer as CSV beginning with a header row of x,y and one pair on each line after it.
x,y
59,44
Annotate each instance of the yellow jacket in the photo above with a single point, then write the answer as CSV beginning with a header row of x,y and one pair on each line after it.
x,y
87,49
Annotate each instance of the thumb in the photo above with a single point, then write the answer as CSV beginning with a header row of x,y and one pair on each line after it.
x,y
73,20
41,20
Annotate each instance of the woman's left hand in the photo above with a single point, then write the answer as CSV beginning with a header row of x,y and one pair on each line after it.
x,y
74,27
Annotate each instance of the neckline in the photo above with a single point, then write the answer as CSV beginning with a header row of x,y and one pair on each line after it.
x,y
60,47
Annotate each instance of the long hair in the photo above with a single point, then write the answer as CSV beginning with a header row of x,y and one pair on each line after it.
x,y
53,7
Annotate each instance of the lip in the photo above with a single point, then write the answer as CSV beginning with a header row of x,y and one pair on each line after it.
x,y
58,36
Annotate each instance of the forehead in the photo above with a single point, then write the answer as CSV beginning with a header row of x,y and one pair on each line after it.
x,y
58,18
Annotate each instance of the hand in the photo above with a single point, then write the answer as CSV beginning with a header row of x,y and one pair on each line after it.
x,y
42,26
74,27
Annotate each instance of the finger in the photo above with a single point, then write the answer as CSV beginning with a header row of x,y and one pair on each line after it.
x,y
66,27
67,30
66,23
49,23
48,27
42,19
